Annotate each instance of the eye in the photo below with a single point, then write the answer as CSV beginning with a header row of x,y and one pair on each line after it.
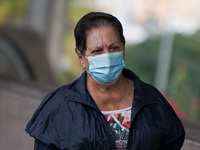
x,y
96,52
114,48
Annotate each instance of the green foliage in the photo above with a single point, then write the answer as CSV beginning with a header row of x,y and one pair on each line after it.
x,y
142,58
12,12
76,10
184,83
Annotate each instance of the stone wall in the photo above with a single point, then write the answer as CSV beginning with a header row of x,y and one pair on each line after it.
x,y
192,141
19,100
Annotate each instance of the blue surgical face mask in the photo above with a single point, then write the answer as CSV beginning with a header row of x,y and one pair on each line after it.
x,y
106,68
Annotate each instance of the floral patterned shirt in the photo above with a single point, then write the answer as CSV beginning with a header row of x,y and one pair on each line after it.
x,y
119,121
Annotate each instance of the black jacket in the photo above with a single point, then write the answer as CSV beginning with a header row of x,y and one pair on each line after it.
x,y
69,119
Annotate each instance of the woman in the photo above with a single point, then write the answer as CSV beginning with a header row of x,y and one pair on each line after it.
x,y
108,107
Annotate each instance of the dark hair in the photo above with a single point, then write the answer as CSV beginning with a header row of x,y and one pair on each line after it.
x,y
94,20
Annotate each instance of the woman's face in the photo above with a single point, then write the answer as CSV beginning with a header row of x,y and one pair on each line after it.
x,y
99,41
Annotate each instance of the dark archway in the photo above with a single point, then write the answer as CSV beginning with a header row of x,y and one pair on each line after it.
x,y
23,57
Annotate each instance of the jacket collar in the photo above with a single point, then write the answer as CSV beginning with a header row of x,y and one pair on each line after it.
x,y
78,92
143,93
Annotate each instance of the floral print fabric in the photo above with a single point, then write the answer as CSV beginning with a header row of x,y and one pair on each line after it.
x,y
119,121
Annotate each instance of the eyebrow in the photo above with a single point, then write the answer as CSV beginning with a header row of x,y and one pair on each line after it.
x,y
100,47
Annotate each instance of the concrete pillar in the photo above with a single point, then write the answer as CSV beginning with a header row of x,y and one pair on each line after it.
x,y
57,30
164,61
37,16
48,19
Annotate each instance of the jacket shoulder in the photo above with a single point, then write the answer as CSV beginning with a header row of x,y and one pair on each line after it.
x,y
47,112
163,107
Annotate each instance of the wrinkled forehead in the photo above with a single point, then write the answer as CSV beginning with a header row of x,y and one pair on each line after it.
x,y
102,36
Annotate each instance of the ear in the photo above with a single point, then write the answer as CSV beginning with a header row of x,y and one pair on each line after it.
x,y
78,53
80,57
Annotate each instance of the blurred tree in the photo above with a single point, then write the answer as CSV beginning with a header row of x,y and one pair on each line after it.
x,y
73,68
12,12
184,84
142,58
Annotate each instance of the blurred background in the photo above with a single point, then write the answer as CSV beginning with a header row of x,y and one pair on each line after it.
x,y
37,55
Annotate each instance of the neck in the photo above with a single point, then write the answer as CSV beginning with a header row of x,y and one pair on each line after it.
x,y
111,97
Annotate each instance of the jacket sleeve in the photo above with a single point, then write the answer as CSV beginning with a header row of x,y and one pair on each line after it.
x,y
175,134
176,144
41,146
175,137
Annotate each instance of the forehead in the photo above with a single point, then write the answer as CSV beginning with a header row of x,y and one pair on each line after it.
x,y
102,35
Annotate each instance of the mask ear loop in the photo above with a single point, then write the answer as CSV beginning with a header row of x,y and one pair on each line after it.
x,y
87,71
